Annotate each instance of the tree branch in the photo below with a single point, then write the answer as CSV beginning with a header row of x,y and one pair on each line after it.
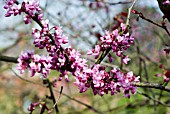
x,y
151,85
52,95
129,13
8,59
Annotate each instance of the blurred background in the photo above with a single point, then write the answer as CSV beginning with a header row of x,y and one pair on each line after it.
x,y
84,22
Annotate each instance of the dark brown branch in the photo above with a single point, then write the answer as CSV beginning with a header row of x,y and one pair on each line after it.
x,y
118,3
155,86
163,26
110,3
52,95
8,59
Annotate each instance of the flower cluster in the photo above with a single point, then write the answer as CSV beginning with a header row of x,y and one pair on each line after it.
x,y
116,42
70,61
165,73
67,60
31,8
166,2
32,106
12,8
35,63
24,60
102,82
42,38
166,76
42,106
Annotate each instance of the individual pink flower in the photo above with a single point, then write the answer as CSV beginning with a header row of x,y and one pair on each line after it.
x,y
125,59
166,2
123,26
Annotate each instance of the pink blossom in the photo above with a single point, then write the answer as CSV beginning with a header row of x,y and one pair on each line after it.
x,y
125,59
65,60
35,63
123,26
114,41
166,2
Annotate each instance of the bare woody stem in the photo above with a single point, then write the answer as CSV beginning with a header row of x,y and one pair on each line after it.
x,y
129,13
155,86
163,26
52,95
8,59
102,56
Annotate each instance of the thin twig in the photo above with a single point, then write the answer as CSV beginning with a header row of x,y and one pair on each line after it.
x,y
52,95
29,81
154,23
8,59
152,98
110,3
151,85
57,100
129,13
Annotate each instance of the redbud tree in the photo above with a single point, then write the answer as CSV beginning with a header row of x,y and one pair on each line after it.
x,y
100,52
